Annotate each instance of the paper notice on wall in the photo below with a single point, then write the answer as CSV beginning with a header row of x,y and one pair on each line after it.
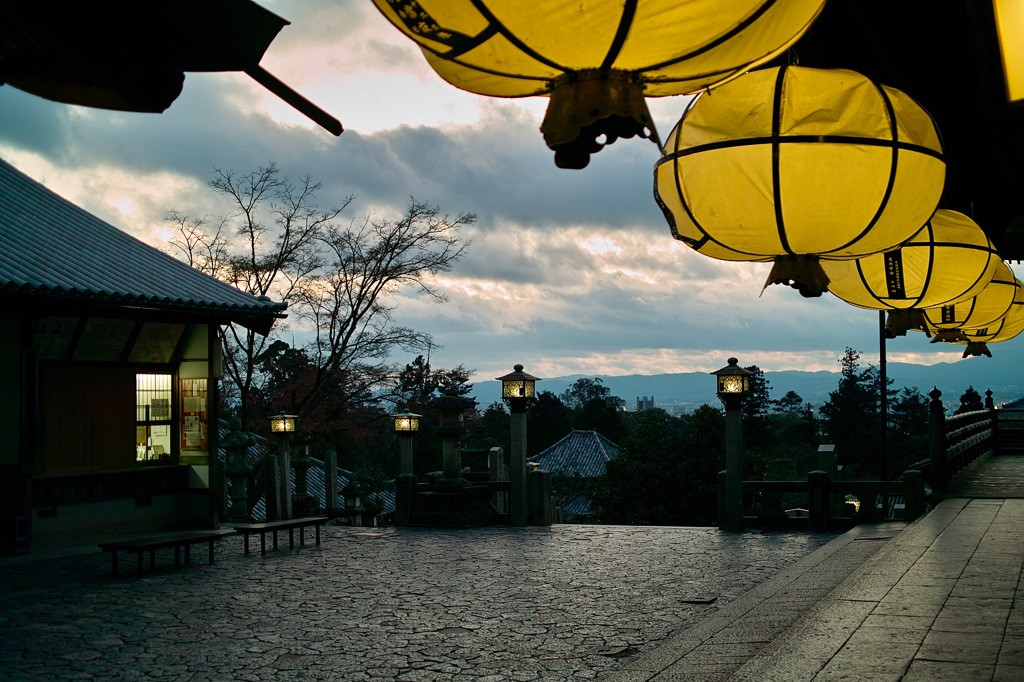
x,y
194,405
160,408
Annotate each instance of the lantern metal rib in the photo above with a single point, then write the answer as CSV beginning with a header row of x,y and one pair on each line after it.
x,y
893,165
626,21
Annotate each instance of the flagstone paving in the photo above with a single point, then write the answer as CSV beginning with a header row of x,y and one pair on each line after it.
x,y
488,605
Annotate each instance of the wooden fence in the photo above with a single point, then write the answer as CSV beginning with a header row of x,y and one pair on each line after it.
x,y
954,444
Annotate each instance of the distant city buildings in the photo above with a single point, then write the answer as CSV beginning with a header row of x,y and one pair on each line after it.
x,y
644,403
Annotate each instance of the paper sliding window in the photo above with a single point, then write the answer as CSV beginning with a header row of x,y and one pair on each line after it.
x,y
193,414
152,417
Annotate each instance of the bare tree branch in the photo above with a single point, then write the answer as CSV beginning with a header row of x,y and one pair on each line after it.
x,y
337,279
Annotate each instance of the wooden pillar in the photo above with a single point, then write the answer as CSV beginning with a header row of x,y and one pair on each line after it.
x,y
213,355
517,473
817,484
733,468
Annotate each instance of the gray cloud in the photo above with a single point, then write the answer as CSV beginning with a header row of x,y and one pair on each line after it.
x,y
532,289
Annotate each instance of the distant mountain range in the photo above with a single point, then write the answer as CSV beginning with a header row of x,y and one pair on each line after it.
x,y
683,392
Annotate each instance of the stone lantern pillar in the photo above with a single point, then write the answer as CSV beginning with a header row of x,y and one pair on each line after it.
x,y
237,445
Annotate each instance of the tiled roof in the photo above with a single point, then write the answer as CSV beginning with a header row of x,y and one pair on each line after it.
x,y
49,246
316,485
575,507
581,453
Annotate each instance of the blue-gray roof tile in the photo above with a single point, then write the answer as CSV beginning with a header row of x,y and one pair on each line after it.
x,y
49,246
581,453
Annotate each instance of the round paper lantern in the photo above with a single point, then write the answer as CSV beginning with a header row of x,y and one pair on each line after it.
x,y
597,59
978,311
949,260
794,165
977,339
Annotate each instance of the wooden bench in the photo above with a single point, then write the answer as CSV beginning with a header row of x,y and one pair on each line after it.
x,y
151,543
272,527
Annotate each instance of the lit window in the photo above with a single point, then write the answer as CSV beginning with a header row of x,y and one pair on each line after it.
x,y
152,417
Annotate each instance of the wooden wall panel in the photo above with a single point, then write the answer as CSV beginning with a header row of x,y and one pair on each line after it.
x,y
87,419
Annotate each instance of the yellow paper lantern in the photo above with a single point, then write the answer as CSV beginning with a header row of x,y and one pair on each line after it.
x,y
949,260
795,165
978,311
597,59
977,339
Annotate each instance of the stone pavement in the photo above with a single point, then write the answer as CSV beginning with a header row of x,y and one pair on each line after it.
x,y
491,604
936,602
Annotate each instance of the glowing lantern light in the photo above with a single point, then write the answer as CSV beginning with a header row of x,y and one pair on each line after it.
x,y
597,59
977,339
949,260
979,311
796,165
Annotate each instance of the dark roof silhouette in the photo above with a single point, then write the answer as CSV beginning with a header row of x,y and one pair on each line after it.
x,y
581,453
112,56
55,250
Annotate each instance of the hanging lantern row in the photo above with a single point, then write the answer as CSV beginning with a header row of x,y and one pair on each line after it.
x,y
982,310
797,165
949,260
598,59
976,340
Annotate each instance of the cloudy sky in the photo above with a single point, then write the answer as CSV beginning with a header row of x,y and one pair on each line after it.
x,y
569,272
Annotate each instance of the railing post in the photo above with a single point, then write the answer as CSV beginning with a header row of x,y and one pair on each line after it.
x,y
913,494
937,442
538,492
818,498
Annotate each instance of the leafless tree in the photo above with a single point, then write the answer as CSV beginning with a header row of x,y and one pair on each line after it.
x,y
346,301
199,248
278,243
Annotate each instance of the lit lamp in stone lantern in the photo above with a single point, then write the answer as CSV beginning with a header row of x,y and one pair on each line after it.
x,y
406,424
734,384
284,425
517,389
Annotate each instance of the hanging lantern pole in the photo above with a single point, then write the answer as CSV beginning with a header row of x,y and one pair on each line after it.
x,y
883,398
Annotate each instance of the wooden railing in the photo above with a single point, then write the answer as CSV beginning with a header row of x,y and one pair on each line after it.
x,y
954,443
825,501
